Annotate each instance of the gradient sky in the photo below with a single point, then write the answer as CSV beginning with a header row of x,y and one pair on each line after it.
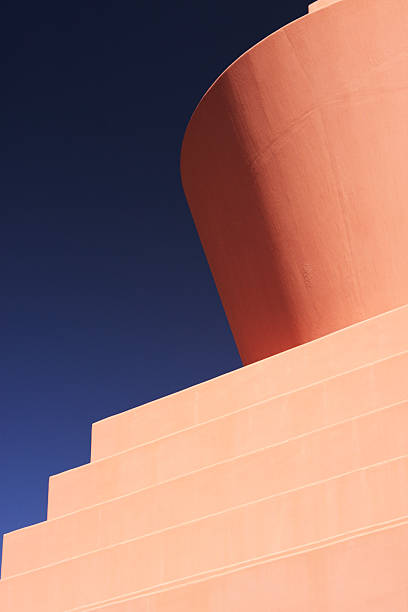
x,y
107,301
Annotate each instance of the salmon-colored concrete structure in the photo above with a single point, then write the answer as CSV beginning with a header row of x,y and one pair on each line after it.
x,y
294,166
282,485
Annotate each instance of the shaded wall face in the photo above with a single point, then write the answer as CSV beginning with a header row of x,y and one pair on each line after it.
x,y
294,166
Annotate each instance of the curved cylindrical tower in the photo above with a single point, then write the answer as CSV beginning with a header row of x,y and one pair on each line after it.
x,y
294,167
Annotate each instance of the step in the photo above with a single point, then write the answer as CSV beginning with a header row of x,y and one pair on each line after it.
x,y
238,536
365,573
182,501
254,427
385,379
338,352
235,536
319,4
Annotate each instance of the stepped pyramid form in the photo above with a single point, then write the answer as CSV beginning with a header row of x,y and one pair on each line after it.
x,y
282,485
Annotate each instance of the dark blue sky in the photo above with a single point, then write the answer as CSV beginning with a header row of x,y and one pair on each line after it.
x,y
107,301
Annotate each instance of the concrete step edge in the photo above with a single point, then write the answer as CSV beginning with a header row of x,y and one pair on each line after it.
x,y
228,460
378,326
203,576
281,494
243,409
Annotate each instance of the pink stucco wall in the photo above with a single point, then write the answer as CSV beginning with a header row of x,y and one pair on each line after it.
x,y
294,166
